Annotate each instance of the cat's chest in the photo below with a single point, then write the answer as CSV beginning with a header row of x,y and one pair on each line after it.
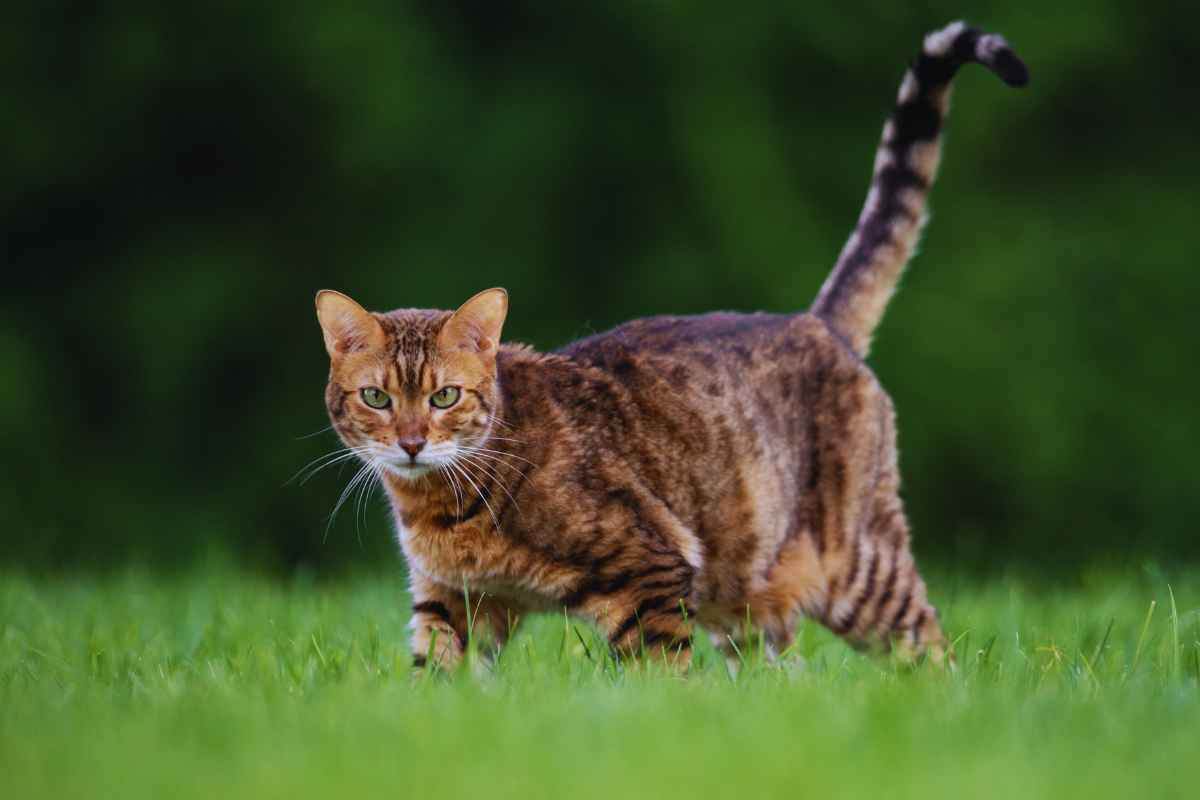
x,y
474,554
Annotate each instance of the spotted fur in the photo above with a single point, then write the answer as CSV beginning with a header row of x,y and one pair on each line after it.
x,y
671,473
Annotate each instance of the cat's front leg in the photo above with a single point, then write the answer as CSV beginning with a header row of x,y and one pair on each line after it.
x,y
442,624
438,624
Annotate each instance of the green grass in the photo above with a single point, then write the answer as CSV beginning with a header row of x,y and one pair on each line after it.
x,y
218,684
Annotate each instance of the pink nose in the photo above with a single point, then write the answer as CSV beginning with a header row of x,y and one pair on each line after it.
x,y
412,447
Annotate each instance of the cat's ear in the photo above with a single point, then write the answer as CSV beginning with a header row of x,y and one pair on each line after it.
x,y
346,325
475,327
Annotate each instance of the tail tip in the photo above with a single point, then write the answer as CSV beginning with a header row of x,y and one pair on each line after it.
x,y
994,51
1010,68
959,43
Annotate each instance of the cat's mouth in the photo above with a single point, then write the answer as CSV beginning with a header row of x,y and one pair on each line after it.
x,y
410,470
404,465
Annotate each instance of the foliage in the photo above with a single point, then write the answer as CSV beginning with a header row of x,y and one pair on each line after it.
x,y
181,180
124,685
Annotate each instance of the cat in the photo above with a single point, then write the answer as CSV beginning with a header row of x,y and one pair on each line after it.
x,y
725,471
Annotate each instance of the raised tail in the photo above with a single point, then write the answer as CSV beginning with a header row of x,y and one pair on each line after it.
x,y
856,293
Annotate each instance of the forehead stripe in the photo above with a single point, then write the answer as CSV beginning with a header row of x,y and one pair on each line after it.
x,y
415,364
412,345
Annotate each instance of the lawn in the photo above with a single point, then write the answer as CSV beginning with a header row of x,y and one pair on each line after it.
x,y
216,683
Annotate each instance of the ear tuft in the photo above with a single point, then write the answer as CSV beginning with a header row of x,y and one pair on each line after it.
x,y
475,327
346,325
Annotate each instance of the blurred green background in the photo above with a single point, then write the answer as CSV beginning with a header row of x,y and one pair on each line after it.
x,y
179,181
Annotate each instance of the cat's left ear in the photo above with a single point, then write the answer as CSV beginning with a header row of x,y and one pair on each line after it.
x,y
475,327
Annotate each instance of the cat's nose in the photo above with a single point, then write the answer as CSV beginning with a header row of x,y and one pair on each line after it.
x,y
412,446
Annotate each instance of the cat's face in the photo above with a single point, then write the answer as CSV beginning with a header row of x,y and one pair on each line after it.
x,y
412,390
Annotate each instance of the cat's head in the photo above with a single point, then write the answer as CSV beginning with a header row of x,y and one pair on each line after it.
x,y
412,390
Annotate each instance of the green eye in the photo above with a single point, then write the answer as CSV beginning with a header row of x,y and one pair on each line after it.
x,y
444,397
376,398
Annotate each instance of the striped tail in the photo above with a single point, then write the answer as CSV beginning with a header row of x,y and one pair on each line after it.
x,y
856,293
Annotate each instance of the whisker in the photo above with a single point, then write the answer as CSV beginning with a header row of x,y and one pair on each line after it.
x,y
442,471
327,460
505,439
494,463
358,495
490,469
445,473
359,476
314,433
362,501
316,462
463,473
341,459
483,467
490,451
477,449
461,490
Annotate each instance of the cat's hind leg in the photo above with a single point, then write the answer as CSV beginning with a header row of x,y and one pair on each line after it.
x,y
643,603
883,601
653,623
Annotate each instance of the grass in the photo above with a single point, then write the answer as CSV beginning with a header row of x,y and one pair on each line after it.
x,y
215,683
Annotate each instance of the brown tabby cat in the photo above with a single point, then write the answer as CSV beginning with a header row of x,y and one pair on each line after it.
x,y
675,471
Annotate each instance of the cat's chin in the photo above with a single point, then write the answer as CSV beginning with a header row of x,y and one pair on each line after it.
x,y
409,472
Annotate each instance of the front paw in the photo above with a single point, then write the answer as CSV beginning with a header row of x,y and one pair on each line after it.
x,y
436,649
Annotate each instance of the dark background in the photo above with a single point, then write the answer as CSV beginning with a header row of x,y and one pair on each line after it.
x,y
178,182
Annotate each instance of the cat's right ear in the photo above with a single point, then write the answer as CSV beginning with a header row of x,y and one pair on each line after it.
x,y
346,325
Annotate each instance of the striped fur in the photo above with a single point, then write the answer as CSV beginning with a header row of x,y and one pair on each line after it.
x,y
857,292
670,474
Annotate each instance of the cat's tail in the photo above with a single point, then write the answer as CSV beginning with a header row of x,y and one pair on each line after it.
x,y
855,294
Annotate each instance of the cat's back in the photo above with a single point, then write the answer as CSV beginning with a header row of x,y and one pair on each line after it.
x,y
702,334
694,390
768,358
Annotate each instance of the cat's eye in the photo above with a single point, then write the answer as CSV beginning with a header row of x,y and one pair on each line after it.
x,y
444,397
376,397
